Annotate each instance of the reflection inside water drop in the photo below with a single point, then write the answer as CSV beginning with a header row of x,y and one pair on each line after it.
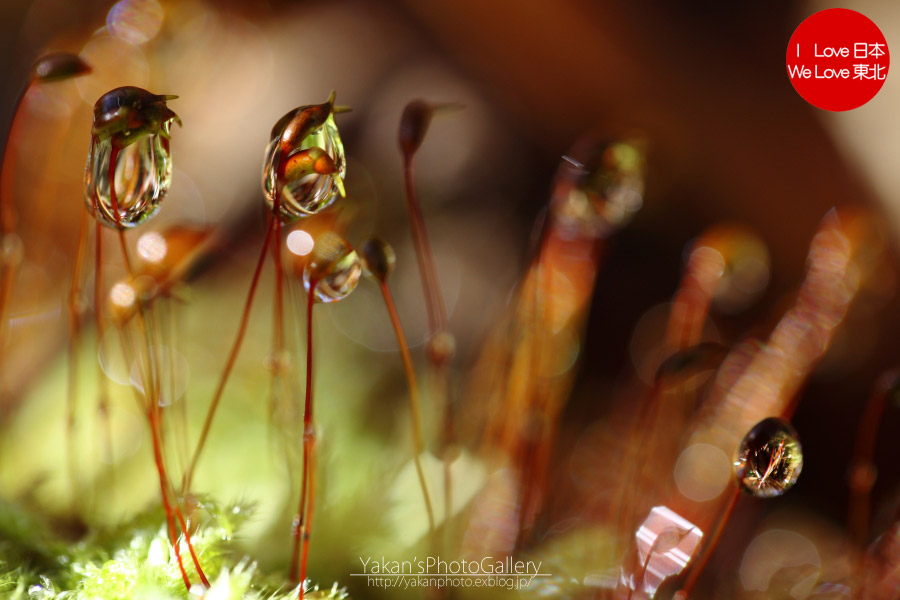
x,y
333,270
306,193
769,459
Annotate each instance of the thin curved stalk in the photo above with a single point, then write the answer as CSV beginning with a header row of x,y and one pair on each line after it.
x,y
415,404
437,319
160,468
229,364
863,475
277,375
151,384
707,552
302,522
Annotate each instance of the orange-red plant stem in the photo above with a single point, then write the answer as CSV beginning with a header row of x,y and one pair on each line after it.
x,y
160,467
229,364
437,317
860,484
152,415
302,522
415,405
707,551
152,398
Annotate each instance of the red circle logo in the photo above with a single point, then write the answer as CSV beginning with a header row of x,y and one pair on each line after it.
x,y
837,59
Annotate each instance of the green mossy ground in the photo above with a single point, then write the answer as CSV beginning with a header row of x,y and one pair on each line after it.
x,y
132,561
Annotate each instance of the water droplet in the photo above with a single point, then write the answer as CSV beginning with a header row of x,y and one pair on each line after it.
x,y
333,269
378,258
132,125
305,158
769,459
599,187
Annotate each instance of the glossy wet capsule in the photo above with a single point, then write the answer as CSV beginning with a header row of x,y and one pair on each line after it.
x,y
333,270
378,258
133,126
769,459
127,113
305,160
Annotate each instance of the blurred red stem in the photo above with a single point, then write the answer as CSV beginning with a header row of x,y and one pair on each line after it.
x,y
707,551
302,525
437,318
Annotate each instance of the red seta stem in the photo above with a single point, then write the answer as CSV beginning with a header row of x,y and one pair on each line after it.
x,y
415,405
303,520
152,403
229,364
278,333
434,302
437,318
710,547
152,415
862,479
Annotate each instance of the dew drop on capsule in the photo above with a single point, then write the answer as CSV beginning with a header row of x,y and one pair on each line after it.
x,y
132,125
305,159
599,187
769,459
333,269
